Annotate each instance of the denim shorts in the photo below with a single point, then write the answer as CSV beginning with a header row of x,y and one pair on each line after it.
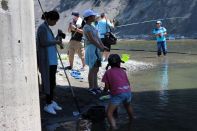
x,y
124,98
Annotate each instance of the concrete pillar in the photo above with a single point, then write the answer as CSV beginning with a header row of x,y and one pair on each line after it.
x,y
19,97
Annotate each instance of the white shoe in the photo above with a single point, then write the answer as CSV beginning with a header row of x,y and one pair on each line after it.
x,y
56,106
50,109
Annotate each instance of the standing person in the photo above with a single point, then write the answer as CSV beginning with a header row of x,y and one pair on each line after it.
x,y
76,45
160,34
116,81
47,58
95,23
104,25
92,50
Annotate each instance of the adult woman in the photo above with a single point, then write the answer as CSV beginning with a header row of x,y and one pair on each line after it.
x,y
47,58
92,50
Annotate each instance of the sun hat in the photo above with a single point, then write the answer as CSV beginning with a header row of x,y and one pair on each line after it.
x,y
158,22
88,13
114,59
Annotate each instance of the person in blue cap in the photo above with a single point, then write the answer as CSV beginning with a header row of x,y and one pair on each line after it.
x,y
160,34
93,48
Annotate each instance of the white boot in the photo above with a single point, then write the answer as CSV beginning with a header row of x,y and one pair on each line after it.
x,y
56,106
50,109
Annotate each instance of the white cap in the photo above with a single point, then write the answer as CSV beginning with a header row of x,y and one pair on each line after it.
x,y
158,22
88,13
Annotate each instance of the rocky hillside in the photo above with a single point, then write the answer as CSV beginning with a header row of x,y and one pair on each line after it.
x,y
139,13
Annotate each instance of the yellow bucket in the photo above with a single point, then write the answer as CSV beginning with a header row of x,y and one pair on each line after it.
x,y
125,57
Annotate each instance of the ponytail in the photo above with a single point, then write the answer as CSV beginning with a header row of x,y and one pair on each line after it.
x,y
44,16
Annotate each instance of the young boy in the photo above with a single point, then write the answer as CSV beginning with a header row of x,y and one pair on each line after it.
x,y
116,81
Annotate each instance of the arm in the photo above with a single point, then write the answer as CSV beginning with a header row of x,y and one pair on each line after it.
x,y
155,34
106,81
105,48
70,27
110,24
106,88
94,41
43,38
74,28
164,31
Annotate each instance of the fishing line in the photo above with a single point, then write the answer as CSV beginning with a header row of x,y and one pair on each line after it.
x,y
148,21
173,52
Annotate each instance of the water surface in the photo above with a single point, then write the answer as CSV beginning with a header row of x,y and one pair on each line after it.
x,y
164,96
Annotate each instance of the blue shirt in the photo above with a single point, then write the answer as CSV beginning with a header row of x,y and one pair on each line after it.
x,y
52,53
102,29
89,28
161,30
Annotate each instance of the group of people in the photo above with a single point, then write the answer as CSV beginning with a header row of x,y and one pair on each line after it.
x,y
92,29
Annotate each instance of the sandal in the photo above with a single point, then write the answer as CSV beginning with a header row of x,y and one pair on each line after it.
x,y
98,90
92,91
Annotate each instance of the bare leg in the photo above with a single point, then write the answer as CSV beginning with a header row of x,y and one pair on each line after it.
x,y
110,110
106,54
71,59
95,77
81,56
83,62
129,111
91,78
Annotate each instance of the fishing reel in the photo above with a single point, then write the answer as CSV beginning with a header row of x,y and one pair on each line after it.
x,y
60,35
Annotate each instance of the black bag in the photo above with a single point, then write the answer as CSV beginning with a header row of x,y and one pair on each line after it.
x,y
110,38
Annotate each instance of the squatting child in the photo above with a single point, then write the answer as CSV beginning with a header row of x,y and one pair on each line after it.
x,y
116,81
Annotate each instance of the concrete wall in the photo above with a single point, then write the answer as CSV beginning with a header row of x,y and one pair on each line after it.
x,y
19,98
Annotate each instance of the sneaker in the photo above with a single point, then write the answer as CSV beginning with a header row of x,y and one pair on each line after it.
x,y
50,109
56,106
82,69
98,90
68,68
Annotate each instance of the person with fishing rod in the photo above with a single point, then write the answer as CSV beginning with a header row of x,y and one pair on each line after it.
x,y
160,34
76,44
47,57
93,48
104,26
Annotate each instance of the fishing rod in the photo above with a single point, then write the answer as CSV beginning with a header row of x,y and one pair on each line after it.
x,y
95,3
173,52
148,21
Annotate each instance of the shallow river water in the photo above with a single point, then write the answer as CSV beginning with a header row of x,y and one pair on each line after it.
x,y
164,96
